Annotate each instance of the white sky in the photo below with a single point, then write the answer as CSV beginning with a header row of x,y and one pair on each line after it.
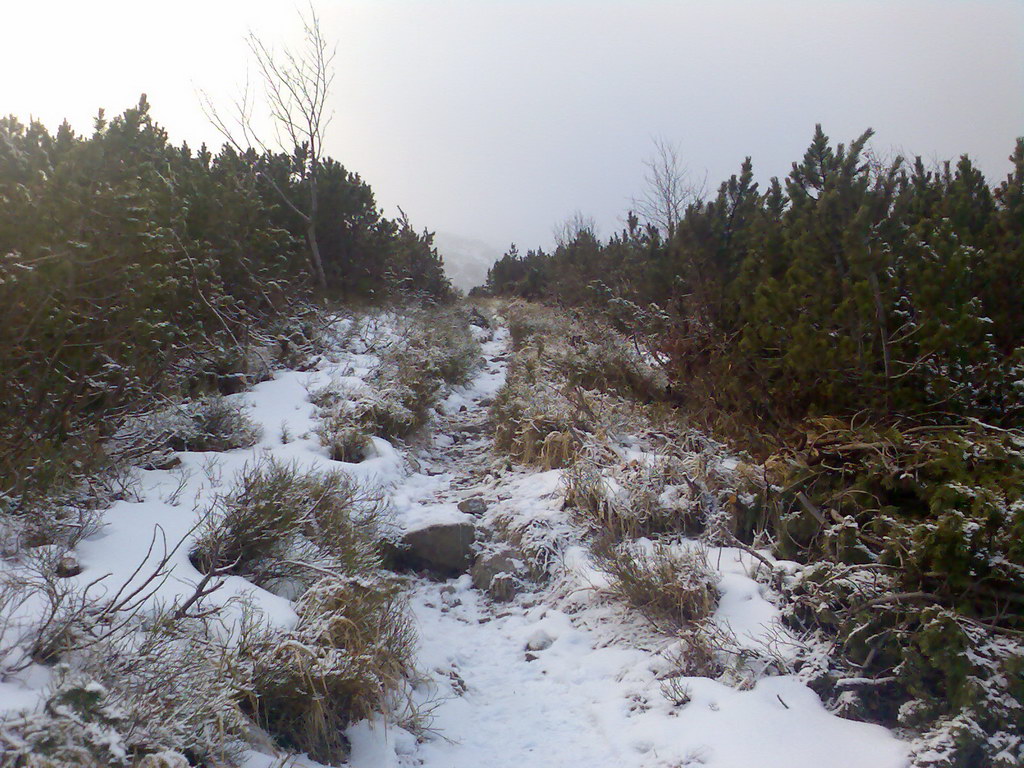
x,y
496,120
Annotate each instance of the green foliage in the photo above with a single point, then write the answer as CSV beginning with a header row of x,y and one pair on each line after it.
x,y
857,324
941,503
79,728
672,588
131,268
852,285
919,577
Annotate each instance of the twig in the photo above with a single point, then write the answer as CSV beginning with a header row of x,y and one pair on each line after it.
x,y
897,597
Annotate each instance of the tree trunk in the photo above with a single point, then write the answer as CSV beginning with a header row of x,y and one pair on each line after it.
x,y
315,262
883,331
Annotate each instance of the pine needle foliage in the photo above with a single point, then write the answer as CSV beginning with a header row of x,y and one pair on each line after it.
x,y
131,269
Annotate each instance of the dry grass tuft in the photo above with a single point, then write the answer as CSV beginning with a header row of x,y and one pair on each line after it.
x,y
349,653
664,489
209,423
535,424
427,351
282,524
700,653
634,499
567,380
587,354
344,437
671,587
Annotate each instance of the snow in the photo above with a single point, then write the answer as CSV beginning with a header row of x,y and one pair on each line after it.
x,y
558,678
377,744
549,681
561,677
17,695
584,701
415,503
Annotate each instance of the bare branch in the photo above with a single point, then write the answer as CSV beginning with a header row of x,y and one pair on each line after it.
x,y
573,227
296,84
668,188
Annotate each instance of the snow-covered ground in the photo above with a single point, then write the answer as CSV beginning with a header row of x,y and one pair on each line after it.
x,y
562,676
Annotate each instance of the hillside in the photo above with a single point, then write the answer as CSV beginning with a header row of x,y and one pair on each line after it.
x,y
739,487
534,654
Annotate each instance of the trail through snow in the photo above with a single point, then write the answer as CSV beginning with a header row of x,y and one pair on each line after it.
x,y
562,677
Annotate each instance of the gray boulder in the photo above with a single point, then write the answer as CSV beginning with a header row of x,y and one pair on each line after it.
x,y
68,566
499,573
444,549
474,506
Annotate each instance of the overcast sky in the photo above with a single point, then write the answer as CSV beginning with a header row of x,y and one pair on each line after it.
x,y
496,119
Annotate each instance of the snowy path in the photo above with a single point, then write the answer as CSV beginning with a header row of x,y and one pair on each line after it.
x,y
513,712
497,703
562,678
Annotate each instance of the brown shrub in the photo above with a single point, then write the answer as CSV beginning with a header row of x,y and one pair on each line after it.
x,y
281,523
670,587
349,653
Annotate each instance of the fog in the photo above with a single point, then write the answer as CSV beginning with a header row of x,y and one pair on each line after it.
x,y
491,122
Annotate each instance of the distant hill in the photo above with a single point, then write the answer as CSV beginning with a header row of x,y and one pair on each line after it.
x,y
465,260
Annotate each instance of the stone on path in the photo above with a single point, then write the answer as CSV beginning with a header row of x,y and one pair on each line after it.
x,y
443,549
498,574
473,506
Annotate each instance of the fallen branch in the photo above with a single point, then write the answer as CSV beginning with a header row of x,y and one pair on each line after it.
x,y
897,597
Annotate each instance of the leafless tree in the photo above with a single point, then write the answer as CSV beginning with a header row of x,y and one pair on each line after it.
x,y
574,226
296,82
668,188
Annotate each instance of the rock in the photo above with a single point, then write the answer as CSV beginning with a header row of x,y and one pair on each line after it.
x,y
163,462
168,759
499,574
309,365
477,318
445,549
473,506
532,657
259,363
390,554
504,587
232,383
486,402
539,641
68,566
